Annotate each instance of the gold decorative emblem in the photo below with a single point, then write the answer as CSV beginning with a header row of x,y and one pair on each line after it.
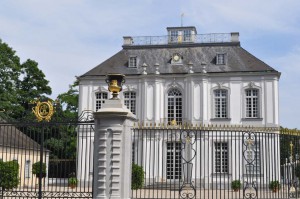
x,y
43,110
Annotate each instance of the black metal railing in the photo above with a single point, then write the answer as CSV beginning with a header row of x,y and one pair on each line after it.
x,y
197,38
206,162
46,159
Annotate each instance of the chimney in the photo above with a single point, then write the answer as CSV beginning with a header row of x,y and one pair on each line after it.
x,y
127,41
235,37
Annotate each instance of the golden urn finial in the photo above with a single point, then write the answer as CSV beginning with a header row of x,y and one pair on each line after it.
x,y
115,82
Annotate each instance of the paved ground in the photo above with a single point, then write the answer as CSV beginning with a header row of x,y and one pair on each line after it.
x,y
207,194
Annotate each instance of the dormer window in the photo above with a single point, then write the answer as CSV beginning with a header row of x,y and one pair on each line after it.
x,y
132,62
179,35
221,59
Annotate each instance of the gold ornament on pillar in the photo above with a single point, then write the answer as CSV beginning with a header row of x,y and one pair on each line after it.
x,y
115,83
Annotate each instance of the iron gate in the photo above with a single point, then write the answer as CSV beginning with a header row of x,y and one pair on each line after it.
x,y
216,162
47,159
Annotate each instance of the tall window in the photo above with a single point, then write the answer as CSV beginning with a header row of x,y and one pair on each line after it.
x,y
221,157
100,99
27,169
253,159
175,106
251,103
220,96
130,101
173,160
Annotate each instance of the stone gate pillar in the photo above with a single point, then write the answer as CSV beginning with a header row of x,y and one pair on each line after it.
x,y
112,151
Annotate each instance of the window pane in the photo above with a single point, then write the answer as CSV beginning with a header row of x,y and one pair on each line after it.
x,y
130,101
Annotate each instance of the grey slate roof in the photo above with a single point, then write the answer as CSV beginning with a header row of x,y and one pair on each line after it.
x,y
10,136
237,59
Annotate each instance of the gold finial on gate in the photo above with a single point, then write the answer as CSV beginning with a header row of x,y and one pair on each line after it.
x,y
43,110
173,122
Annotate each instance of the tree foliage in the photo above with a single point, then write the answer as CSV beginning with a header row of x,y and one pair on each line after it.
x,y
10,71
20,83
9,174
137,176
36,169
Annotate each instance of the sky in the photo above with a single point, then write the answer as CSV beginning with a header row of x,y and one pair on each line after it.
x,y
69,37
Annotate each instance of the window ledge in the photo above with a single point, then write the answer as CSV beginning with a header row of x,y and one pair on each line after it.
x,y
220,119
252,119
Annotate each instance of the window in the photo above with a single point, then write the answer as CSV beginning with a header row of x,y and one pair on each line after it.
x,y
174,36
251,103
173,160
130,101
220,59
220,98
253,159
27,169
100,99
187,35
133,62
221,157
174,106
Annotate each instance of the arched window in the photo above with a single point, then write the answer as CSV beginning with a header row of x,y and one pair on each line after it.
x,y
130,101
251,100
100,98
175,105
220,101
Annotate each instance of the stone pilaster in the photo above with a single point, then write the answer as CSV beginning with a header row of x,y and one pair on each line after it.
x,y
112,151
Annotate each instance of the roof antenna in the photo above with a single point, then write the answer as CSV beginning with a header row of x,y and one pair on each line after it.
x,y
182,14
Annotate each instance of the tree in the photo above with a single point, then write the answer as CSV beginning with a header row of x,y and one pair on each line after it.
x,y
9,175
19,83
69,101
33,85
64,144
10,71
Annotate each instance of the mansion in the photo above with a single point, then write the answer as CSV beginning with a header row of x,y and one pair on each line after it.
x,y
186,77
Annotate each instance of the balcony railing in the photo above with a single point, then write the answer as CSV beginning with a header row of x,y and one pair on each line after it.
x,y
181,39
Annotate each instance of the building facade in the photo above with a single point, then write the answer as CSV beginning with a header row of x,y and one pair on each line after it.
x,y
186,77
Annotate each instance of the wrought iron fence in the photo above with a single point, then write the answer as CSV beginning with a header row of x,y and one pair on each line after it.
x,y
205,162
46,159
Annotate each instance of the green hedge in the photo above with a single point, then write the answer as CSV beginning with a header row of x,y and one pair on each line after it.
x,y
9,174
36,169
137,177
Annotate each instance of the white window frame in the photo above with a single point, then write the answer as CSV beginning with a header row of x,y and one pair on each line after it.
x,y
221,100
132,62
130,100
221,159
175,111
219,60
252,97
101,100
